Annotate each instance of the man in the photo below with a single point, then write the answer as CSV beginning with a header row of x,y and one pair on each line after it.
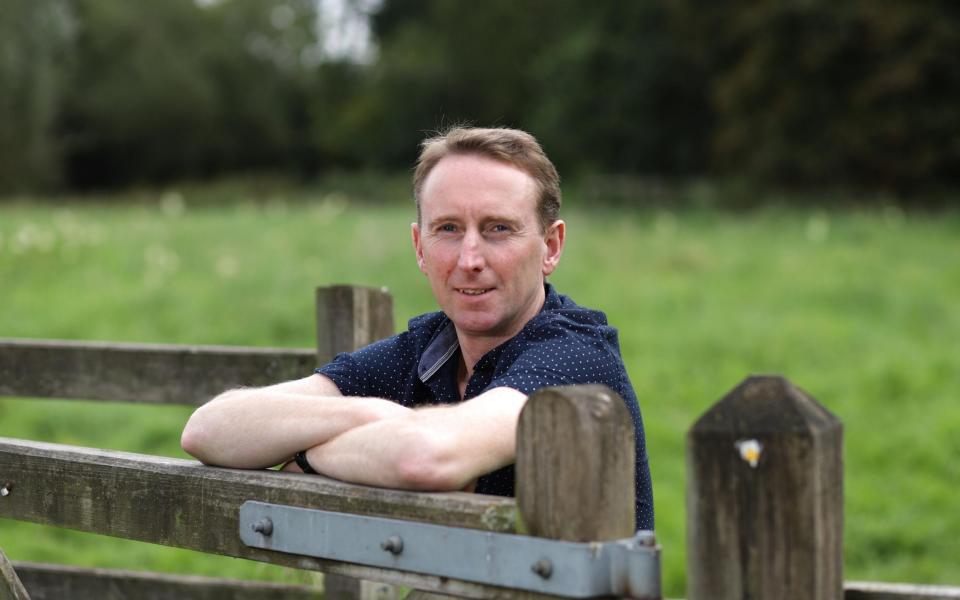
x,y
436,407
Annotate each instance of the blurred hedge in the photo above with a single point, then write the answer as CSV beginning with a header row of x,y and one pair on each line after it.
x,y
98,93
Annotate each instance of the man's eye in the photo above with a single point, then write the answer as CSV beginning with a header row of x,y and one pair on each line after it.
x,y
500,228
447,227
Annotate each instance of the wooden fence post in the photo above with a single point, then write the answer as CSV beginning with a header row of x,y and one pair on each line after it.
x,y
765,496
10,586
575,465
349,318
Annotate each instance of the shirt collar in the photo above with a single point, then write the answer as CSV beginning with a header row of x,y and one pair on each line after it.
x,y
438,351
445,343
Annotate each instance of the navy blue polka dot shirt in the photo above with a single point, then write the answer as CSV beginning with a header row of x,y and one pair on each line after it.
x,y
564,344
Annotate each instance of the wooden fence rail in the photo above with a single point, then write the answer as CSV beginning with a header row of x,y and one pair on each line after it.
x,y
570,436
197,507
56,582
148,373
764,499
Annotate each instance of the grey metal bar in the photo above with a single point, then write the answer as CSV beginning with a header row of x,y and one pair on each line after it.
x,y
625,568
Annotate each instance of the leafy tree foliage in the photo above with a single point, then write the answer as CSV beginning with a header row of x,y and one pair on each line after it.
x,y
34,36
171,89
819,91
106,92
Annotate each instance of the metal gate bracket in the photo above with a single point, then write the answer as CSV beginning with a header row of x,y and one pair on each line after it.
x,y
625,568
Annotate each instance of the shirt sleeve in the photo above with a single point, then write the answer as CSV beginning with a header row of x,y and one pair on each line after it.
x,y
379,370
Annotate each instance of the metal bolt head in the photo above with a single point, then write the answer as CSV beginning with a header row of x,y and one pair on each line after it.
x,y
393,544
263,526
646,538
543,568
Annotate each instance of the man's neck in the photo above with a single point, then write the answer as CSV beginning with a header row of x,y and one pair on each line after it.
x,y
473,349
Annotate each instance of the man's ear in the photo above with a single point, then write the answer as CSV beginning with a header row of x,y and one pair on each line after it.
x,y
554,239
417,245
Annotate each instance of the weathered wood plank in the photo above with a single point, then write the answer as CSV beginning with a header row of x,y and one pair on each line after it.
x,y
156,373
868,590
350,317
575,471
181,503
765,496
421,595
11,587
340,587
54,582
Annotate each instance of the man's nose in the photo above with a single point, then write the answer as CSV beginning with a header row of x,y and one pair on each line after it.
x,y
471,253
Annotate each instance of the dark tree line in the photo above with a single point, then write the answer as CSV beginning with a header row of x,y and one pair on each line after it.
x,y
104,92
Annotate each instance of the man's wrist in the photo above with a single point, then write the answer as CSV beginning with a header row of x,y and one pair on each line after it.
x,y
301,459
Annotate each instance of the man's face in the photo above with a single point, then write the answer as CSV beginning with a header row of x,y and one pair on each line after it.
x,y
480,245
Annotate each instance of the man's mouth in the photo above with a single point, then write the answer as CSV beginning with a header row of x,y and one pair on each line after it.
x,y
473,291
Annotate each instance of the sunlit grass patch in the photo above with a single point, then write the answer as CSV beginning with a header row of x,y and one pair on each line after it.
x,y
858,307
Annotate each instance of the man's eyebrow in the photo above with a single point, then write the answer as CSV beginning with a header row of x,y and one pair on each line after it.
x,y
514,221
444,218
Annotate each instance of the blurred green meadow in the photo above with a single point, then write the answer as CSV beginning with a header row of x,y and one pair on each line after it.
x,y
857,306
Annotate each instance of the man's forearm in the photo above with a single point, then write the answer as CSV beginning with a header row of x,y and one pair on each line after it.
x,y
438,448
259,428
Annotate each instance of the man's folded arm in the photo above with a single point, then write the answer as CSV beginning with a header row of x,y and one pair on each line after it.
x,y
433,448
256,428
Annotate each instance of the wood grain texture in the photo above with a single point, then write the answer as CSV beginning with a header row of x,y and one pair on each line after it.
x,y
182,503
340,587
575,465
154,373
55,582
351,317
421,595
773,529
11,587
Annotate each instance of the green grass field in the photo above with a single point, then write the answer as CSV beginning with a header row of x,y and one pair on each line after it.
x,y
858,306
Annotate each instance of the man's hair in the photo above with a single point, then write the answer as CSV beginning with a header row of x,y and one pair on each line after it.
x,y
511,146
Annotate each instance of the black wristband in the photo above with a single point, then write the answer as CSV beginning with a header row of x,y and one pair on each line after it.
x,y
301,459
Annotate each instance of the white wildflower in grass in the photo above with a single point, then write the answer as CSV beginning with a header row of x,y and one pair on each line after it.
x,y
160,263
227,266
818,227
275,206
665,224
331,207
32,238
172,204
75,233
